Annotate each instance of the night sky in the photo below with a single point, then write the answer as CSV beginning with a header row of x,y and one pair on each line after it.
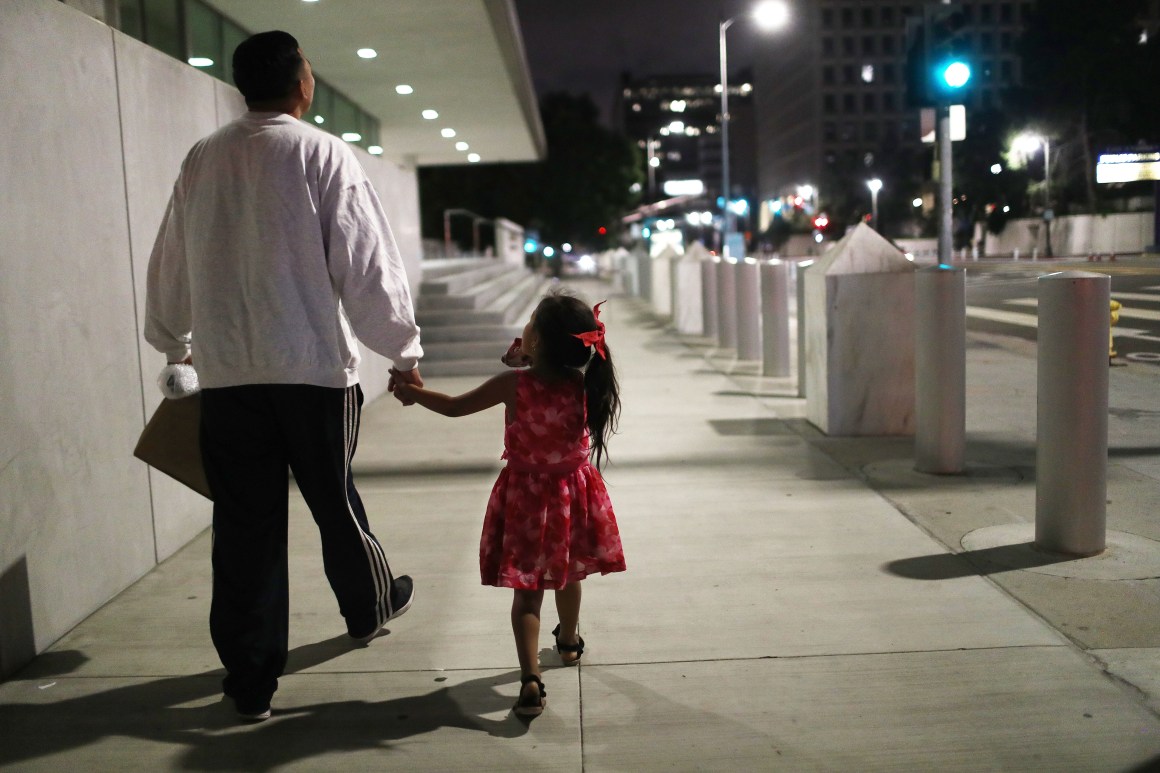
x,y
583,45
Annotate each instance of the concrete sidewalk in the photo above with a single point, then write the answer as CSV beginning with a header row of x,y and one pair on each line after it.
x,y
793,602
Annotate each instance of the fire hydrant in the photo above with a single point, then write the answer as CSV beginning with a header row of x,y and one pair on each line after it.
x,y
1115,318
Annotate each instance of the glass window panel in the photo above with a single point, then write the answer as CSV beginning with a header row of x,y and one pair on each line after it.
x,y
163,26
204,36
322,107
345,116
130,18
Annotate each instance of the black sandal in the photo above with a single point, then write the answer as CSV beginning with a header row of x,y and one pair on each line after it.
x,y
531,709
577,648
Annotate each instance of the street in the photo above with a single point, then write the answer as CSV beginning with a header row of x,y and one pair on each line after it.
x,y
1003,300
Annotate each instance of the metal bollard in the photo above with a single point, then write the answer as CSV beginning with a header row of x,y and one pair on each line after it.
x,y
940,370
727,303
775,347
709,297
748,310
1071,468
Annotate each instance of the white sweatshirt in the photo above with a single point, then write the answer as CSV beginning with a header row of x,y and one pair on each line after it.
x,y
273,255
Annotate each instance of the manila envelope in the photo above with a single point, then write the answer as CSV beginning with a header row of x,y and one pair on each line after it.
x,y
171,443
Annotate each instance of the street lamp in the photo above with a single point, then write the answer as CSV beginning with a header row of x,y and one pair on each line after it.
x,y
1027,143
769,15
874,185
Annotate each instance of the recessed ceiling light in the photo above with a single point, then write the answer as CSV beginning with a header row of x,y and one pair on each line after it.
x,y
403,88
430,115
375,150
367,53
310,1
201,61
448,133
351,136
473,158
461,145
319,119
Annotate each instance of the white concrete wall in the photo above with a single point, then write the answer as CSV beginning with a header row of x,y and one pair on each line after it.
x,y
1081,235
97,126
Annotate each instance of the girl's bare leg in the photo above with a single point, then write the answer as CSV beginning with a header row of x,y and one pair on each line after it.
x,y
526,628
568,607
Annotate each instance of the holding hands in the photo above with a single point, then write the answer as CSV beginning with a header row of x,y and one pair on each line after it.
x,y
402,381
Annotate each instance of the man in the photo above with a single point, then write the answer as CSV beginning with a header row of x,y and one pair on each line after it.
x,y
273,255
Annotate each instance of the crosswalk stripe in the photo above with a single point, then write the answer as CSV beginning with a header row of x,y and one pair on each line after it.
x,y
1125,312
998,315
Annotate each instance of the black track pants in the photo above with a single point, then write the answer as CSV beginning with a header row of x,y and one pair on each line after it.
x,y
251,436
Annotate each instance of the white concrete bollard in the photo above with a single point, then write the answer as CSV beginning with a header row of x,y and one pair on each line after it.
x,y
709,298
775,348
644,276
940,370
727,303
748,309
1071,466
800,309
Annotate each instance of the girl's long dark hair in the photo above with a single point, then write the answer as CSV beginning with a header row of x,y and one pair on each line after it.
x,y
557,320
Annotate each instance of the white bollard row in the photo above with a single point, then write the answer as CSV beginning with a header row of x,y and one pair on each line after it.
x,y
940,368
1071,463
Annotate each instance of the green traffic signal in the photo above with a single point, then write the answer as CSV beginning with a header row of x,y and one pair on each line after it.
x,y
954,75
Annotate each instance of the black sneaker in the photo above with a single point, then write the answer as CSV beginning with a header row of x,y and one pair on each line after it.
x,y
402,596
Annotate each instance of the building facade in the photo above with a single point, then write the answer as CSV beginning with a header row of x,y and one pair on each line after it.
x,y
675,121
832,109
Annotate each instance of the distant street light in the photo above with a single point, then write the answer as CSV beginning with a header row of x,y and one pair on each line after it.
x,y
874,185
769,15
1027,143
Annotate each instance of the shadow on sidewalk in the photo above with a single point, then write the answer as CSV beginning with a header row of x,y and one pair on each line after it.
x,y
187,712
969,563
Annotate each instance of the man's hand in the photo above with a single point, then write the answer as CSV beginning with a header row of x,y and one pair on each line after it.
x,y
400,377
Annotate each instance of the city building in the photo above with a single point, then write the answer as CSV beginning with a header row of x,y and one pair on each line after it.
x,y
832,104
675,121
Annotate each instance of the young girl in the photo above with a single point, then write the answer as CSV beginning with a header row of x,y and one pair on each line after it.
x,y
549,521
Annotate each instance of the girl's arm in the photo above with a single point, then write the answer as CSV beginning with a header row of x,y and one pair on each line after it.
x,y
496,390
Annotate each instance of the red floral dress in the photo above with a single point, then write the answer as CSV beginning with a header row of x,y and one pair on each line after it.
x,y
549,520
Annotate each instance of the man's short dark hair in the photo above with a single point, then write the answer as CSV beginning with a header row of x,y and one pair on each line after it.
x,y
267,66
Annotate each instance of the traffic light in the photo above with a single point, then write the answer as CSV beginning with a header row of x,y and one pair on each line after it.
x,y
938,66
948,65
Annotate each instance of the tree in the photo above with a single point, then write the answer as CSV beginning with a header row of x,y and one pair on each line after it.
x,y
1085,73
583,185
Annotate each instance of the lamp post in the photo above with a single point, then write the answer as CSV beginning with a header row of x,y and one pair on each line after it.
x,y
769,15
1027,144
874,185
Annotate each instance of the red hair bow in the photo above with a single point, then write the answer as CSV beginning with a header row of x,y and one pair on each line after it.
x,y
595,338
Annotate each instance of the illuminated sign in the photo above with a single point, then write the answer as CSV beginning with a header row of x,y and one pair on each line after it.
x,y
1128,166
684,187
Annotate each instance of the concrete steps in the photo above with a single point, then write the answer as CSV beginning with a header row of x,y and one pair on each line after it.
x,y
469,312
